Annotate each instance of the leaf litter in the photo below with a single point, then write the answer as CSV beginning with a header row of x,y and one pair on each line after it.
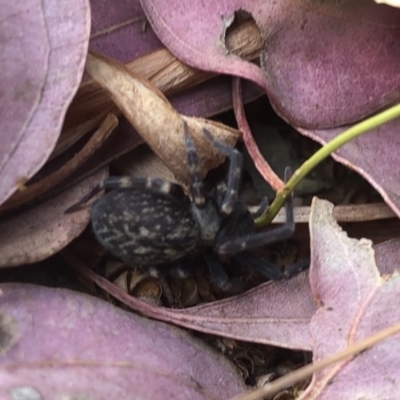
x,y
232,317
348,301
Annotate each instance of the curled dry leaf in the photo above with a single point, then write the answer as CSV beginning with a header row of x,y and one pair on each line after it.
x,y
44,48
43,230
62,344
142,163
393,3
36,189
355,302
175,79
155,119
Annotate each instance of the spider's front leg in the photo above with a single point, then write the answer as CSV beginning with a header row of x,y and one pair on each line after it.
x,y
196,184
259,239
234,173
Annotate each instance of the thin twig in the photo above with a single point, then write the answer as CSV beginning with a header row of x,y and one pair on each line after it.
x,y
259,161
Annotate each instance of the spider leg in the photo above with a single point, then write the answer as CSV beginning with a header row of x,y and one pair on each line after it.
x,y
264,267
259,239
196,185
157,185
234,173
264,204
262,208
295,269
268,269
217,272
219,276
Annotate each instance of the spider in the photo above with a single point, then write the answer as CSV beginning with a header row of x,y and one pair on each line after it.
x,y
153,224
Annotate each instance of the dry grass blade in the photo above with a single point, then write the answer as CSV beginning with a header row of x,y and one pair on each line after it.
x,y
343,213
38,188
308,370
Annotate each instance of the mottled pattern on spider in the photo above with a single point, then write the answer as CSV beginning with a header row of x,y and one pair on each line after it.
x,y
151,223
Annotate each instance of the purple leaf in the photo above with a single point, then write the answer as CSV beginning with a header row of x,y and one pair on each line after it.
x,y
355,302
120,30
196,35
314,61
331,64
275,313
43,53
60,344
375,156
211,97
387,256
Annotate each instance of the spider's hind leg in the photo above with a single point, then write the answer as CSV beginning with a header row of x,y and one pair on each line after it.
x,y
156,185
295,269
219,276
268,269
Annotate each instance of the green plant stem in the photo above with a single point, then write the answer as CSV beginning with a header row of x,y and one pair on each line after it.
x,y
321,154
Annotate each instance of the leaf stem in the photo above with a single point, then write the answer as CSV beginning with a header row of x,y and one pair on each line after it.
x,y
321,154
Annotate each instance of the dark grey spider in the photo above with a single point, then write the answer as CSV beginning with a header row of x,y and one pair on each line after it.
x,y
151,223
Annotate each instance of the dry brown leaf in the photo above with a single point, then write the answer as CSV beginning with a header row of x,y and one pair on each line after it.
x,y
393,3
164,70
42,231
154,118
142,163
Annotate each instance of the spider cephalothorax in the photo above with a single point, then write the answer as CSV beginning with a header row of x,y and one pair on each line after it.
x,y
151,223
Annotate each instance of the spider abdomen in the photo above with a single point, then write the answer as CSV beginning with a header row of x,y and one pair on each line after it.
x,y
143,227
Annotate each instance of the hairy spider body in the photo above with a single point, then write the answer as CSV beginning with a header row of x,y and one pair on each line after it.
x,y
152,223
143,227
149,228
